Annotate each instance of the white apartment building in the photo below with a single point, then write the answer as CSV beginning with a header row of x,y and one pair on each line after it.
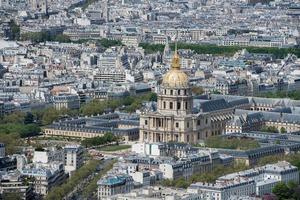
x,y
131,40
163,149
176,170
67,101
114,184
156,193
224,190
73,157
142,177
46,176
47,155
256,181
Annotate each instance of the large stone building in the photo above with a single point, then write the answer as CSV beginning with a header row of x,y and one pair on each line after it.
x,y
174,119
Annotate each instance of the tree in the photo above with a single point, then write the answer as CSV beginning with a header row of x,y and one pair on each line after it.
x,y
96,141
269,197
50,115
15,30
296,194
16,117
181,183
197,90
12,196
231,143
222,50
282,130
30,130
29,118
269,129
62,38
282,191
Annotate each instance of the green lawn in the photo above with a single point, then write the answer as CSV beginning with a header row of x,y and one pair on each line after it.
x,y
114,147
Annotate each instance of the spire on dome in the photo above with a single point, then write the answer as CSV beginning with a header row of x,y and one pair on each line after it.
x,y
176,60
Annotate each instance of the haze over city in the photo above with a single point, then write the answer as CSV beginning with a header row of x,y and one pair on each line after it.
x,y
149,99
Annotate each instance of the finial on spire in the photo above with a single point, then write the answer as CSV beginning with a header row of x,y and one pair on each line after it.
x,y
176,60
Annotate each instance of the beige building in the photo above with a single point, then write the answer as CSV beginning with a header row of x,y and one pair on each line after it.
x,y
174,120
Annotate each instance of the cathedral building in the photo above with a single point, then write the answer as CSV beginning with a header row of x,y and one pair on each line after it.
x,y
174,119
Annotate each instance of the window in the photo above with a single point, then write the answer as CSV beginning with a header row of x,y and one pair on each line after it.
x,y
184,92
186,105
178,92
198,122
177,124
188,124
165,91
146,122
206,121
164,105
178,105
171,92
171,105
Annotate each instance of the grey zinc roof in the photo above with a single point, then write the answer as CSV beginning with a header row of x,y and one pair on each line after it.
x,y
237,102
213,105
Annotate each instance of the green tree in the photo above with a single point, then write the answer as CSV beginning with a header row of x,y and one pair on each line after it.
x,y
28,118
105,139
50,115
231,143
15,30
62,38
269,129
222,50
59,192
282,130
16,117
11,142
282,191
181,183
30,130
197,90
11,196
296,193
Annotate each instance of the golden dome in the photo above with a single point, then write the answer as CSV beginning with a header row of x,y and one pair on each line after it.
x,y
175,77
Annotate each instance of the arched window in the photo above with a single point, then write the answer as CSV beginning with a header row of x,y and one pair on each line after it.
x,y
171,105
178,105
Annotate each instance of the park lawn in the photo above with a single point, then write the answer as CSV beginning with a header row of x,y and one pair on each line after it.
x,y
114,147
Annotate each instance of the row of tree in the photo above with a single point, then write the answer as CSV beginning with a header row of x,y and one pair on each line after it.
x,y
282,94
231,143
89,189
15,126
59,192
284,191
222,50
96,141
44,36
218,171
131,104
273,129
209,177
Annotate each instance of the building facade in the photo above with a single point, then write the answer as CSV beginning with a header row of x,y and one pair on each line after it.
x,y
174,119
114,184
73,158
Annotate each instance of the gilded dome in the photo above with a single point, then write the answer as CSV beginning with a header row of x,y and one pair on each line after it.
x,y
175,77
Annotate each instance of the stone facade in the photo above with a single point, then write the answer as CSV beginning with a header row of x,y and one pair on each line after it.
x,y
174,119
